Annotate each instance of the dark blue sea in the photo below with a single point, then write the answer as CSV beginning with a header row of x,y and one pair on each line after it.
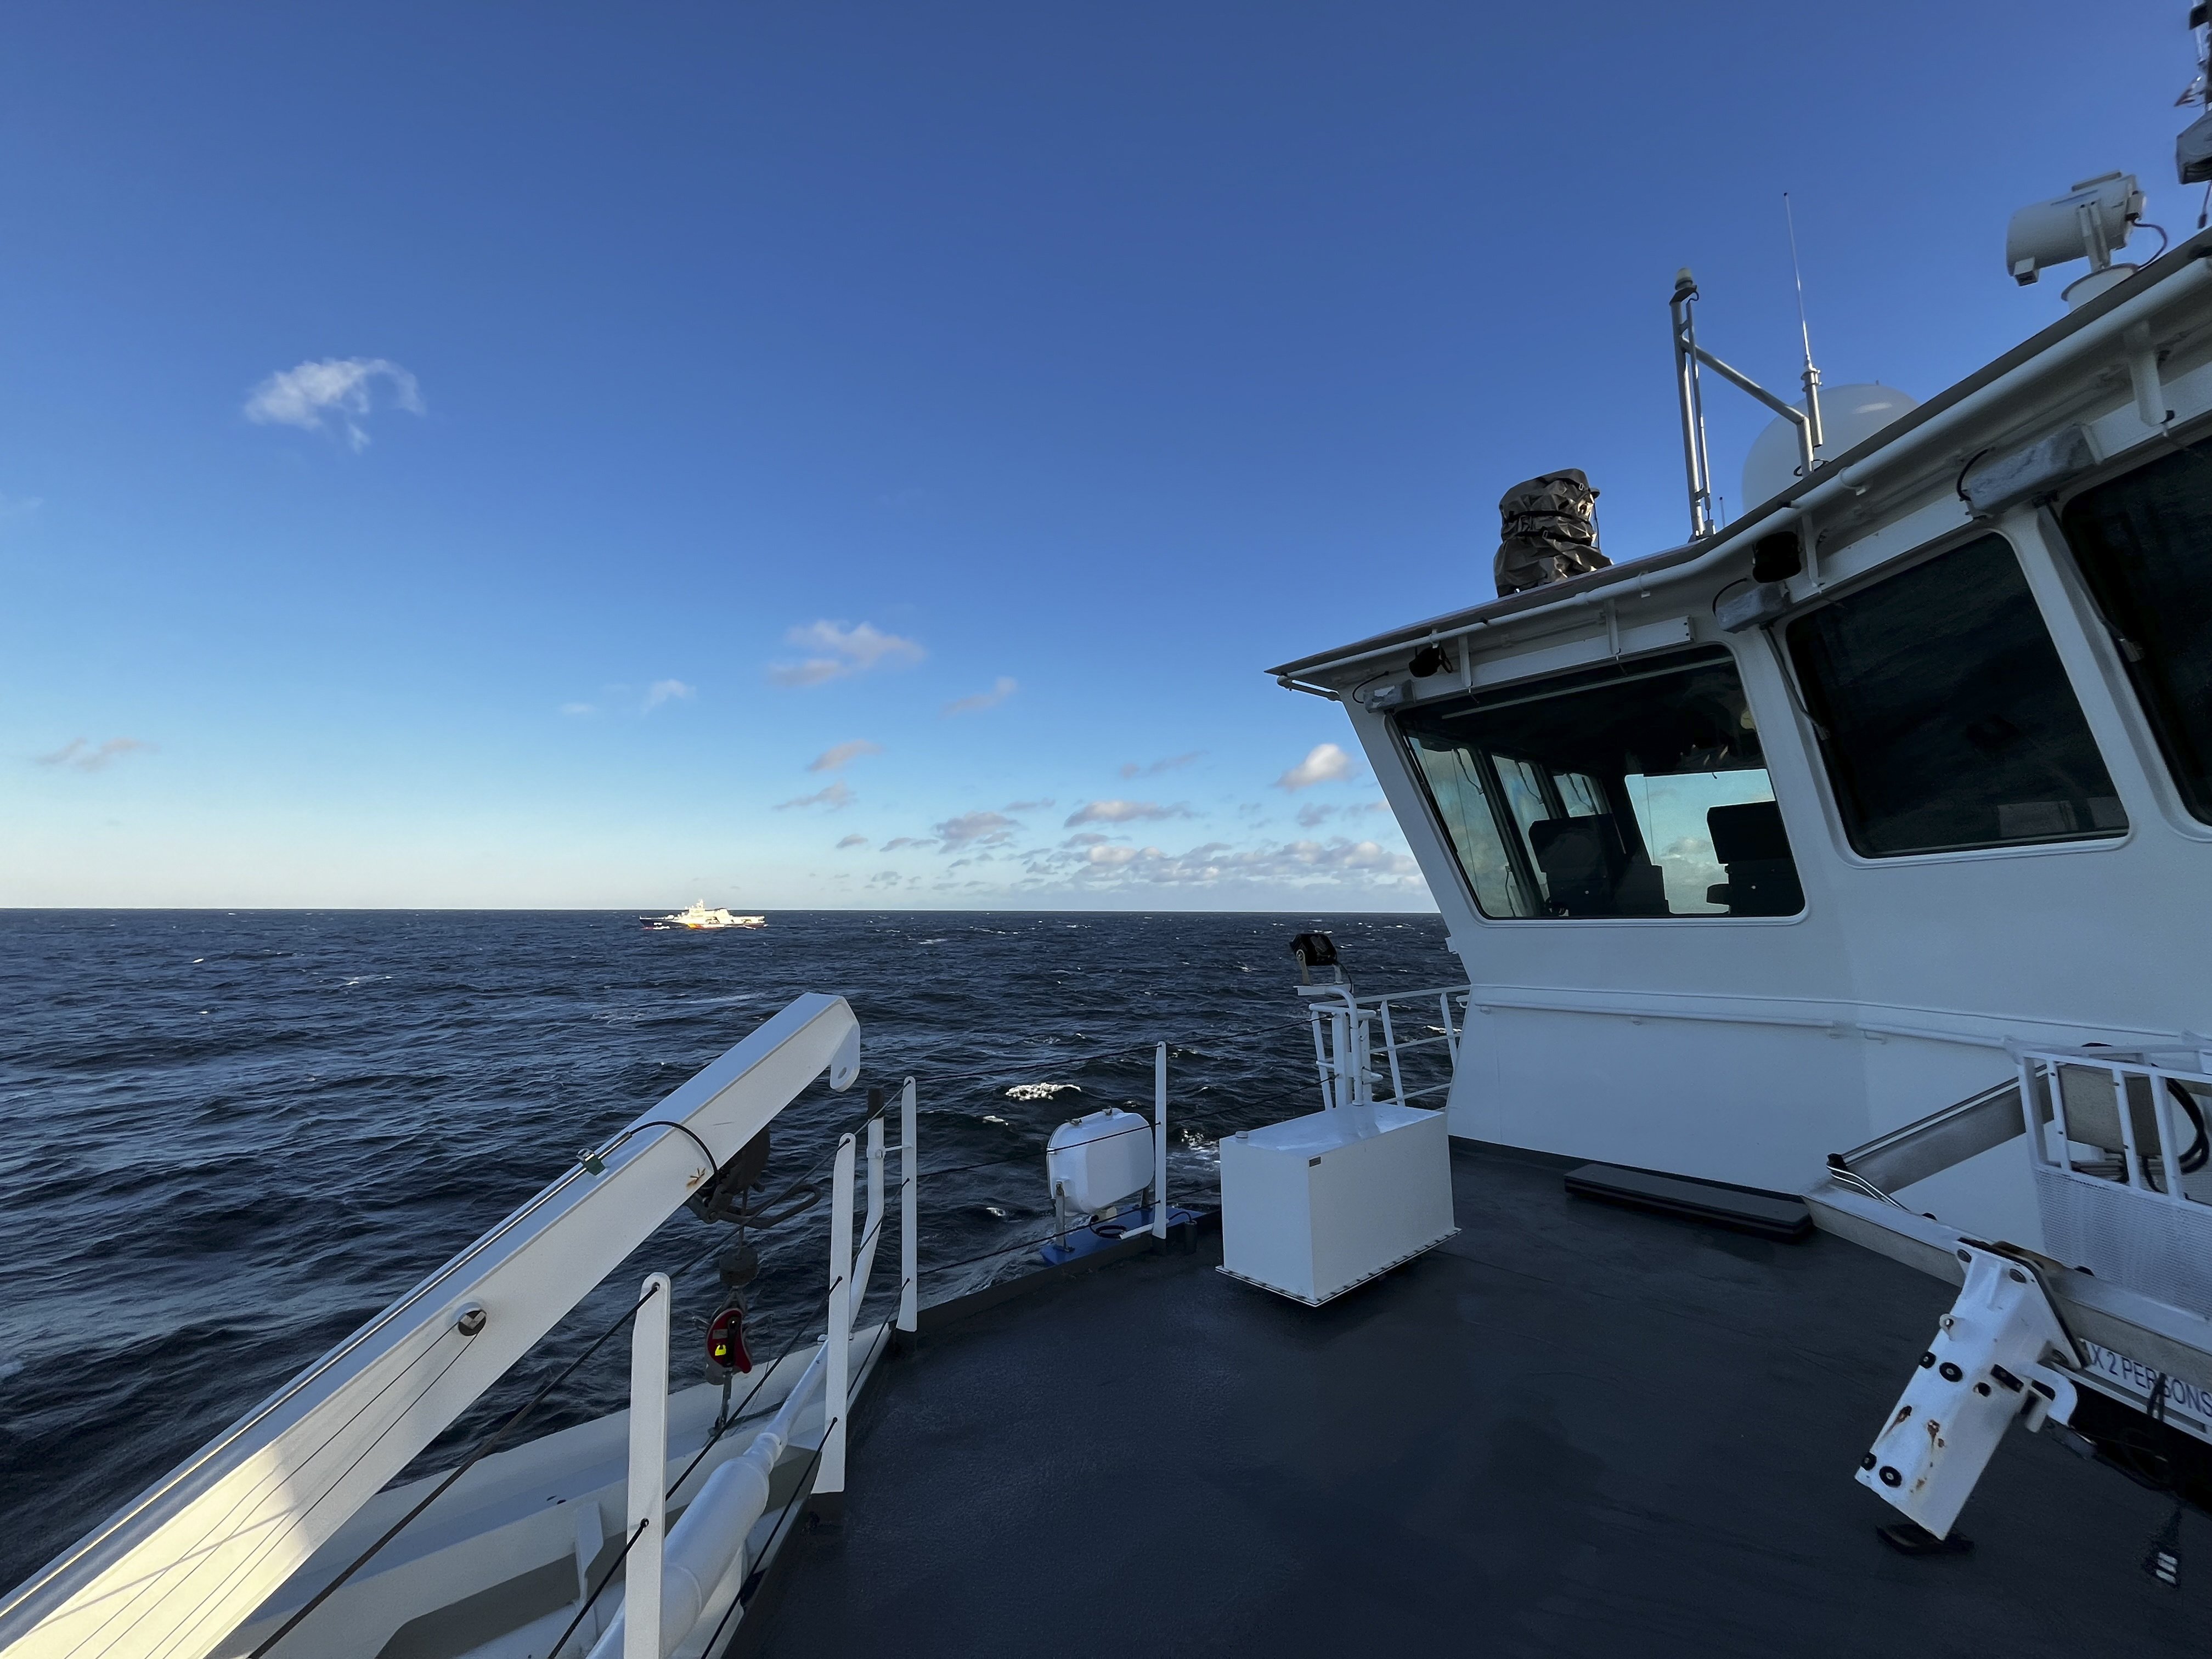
x,y
234,1137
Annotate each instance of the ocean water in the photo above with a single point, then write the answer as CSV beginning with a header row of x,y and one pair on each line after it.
x,y
234,1137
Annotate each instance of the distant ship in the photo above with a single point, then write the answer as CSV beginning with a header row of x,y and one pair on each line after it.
x,y
700,916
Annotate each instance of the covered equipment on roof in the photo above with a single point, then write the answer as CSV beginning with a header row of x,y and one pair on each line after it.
x,y
1547,531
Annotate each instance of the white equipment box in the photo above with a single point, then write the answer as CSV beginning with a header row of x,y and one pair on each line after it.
x,y
1313,1207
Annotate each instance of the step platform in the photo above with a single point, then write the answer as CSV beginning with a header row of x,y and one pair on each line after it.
x,y
1781,1216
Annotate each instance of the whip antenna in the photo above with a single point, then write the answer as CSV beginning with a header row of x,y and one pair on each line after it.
x,y
1811,377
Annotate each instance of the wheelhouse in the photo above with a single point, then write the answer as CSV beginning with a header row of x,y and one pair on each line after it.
x,y
1747,865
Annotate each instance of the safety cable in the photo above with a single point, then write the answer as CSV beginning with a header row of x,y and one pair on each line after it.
x,y
293,1522
2162,1561
595,1160
484,1448
605,1579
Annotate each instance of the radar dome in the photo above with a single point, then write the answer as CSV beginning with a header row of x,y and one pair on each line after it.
x,y
1850,415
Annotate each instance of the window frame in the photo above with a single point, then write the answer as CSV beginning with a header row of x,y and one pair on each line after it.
x,y
1653,665
2146,740
1804,722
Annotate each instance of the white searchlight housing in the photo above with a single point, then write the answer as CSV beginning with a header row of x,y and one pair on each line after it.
x,y
2092,222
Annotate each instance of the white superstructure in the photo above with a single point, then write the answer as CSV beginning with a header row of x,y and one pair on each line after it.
x,y
1733,899
1858,850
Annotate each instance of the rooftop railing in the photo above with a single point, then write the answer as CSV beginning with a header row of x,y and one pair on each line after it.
x,y
1345,1025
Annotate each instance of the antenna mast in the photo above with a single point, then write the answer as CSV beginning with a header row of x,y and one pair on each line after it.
x,y
1689,357
1812,376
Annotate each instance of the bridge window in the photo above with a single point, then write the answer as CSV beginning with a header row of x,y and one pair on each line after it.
x,y
1944,714
1637,791
2144,545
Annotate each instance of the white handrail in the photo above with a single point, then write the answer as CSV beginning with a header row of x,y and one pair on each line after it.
x,y
837,1391
174,1571
1390,1049
1344,1058
2040,1084
703,1548
648,1468
909,1238
1160,1142
872,1230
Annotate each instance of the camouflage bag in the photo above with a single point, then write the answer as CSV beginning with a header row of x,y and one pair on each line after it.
x,y
1548,530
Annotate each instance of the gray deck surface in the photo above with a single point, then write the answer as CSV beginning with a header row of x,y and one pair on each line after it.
x,y
1570,1430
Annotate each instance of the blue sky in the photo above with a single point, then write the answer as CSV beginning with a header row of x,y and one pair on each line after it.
x,y
734,439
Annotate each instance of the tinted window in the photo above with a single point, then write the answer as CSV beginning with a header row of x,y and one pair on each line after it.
x,y
2144,543
1460,786
1625,792
1944,715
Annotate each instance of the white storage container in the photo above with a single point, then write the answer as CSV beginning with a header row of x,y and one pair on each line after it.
x,y
1313,1207
1100,1160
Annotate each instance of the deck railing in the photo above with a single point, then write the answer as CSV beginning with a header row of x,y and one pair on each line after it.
x,y
1345,1025
2118,1144
671,1593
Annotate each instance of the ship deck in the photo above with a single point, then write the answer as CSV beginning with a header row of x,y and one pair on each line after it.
x,y
1569,1429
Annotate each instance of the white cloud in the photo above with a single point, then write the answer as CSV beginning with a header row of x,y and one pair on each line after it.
x,y
81,755
834,796
1324,763
579,708
852,841
1088,838
1029,805
662,691
341,388
1122,812
897,841
1002,689
1337,863
976,830
1173,763
1312,813
1117,855
840,652
841,755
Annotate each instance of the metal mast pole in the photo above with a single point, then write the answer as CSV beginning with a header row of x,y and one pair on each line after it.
x,y
1695,461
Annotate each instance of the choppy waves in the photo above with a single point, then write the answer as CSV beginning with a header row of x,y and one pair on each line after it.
x,y
234,1137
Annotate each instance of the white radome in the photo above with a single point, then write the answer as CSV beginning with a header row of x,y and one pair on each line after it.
x,y
1850,415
